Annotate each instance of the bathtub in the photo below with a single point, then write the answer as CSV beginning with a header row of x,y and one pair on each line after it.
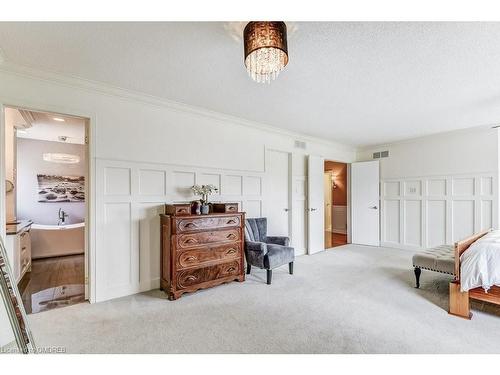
x,y
57,240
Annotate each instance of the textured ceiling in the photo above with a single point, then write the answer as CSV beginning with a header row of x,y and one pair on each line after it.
x,y
357,83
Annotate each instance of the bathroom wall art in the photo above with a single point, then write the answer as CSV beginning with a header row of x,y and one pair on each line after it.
x,y
53,188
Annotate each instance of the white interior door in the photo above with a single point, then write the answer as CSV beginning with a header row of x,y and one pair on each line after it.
x,y
365,211
327,188
277,193
315,198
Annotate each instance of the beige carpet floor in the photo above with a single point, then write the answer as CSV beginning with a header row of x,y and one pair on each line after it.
x,y
351,299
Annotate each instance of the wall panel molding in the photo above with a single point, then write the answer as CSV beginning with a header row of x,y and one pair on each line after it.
x,y
424,212
130,196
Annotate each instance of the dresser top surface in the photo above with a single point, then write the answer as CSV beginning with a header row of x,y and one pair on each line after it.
x,y
193,216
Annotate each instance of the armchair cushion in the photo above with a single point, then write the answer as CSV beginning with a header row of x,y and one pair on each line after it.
x,y
278,255
283,241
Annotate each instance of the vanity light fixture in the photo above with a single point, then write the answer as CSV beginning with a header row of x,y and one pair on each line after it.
x,y
334,185
58,119
61,158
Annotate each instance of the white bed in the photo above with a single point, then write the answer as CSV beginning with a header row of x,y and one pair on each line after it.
x,y
480,263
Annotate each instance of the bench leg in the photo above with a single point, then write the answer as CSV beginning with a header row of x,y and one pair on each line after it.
x,y
417,271
459,302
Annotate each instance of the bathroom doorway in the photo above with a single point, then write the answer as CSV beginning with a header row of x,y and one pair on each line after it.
x,y
47,169
336,203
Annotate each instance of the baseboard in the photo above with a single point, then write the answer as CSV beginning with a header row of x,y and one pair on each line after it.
x,y
399,246
149,285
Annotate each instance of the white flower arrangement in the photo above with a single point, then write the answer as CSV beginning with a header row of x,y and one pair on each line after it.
x,y
204,191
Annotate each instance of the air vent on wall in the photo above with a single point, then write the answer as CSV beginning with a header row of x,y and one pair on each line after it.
x,y
300,144
380,154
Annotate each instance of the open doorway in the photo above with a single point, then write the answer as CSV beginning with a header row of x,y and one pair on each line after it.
x,y
336,203
46,164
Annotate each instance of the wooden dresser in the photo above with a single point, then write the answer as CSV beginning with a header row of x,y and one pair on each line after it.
x,y
200,251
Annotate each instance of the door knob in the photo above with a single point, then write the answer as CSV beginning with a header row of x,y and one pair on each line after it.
x,y
286,209
374,207
313,209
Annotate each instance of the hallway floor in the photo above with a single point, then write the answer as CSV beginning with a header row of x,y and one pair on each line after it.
x,y
53,283
334,239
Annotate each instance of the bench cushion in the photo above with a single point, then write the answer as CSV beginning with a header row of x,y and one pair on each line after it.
x,y
439,259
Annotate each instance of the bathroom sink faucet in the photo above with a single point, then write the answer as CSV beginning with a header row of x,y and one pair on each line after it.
x,y
62,217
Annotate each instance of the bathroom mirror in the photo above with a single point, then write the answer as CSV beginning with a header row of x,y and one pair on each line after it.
x,y
14,309
9,186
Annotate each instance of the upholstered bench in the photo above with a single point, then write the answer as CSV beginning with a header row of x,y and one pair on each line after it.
x,y
438,259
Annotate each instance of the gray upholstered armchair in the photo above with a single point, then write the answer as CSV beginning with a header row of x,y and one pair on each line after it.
x,y
266,252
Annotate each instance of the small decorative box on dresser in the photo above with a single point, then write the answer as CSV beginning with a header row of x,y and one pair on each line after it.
x,y
200,251
225,207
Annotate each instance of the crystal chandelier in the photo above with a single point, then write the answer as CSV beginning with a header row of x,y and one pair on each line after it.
x,y
266,51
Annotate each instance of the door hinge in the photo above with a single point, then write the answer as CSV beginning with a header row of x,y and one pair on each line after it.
x,y
86,280
86,140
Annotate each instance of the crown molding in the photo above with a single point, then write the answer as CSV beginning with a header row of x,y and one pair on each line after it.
x,y
115,91
472,129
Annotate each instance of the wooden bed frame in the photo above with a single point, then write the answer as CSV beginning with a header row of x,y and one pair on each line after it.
x,y
459,301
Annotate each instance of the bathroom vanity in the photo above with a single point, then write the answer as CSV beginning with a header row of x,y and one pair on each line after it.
x,y
18,246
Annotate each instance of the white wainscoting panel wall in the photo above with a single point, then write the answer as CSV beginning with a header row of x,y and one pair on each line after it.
x,y
130,196
425,212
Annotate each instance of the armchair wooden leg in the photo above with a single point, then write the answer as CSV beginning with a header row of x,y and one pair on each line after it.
x,y
290,268
269,276
417,271
249,268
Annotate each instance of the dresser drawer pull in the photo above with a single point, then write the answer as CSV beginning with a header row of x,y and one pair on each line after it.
x,y
232,208
231,236
190,258
23,248
231,221
191,278
231,251
181,210
230,269
190,225
190,240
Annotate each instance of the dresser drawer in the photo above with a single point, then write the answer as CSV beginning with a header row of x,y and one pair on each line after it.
x,y
189,278
178,209
188,240
206,223
200,257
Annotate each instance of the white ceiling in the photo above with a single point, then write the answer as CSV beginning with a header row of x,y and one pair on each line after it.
x,y
45,127
358,83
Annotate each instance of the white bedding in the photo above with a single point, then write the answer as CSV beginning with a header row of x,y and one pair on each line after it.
x,y
480,263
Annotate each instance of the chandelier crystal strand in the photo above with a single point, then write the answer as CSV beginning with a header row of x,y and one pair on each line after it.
x,y
266,52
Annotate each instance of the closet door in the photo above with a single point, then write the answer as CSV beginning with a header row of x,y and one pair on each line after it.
x,y
315,200
277,193
365,203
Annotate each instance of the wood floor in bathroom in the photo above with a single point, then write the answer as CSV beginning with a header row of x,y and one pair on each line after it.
x,y
53,283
